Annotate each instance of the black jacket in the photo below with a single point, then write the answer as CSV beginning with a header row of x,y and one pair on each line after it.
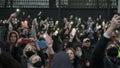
x,y
7,61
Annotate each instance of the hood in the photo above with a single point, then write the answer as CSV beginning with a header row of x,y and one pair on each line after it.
x,y
61,60
16,33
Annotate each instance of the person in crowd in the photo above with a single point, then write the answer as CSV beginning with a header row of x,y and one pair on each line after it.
x,y
78,56
71,53
38,43
4,28
28,51
103,58
87,53
13,37
61,60
7,61
35,62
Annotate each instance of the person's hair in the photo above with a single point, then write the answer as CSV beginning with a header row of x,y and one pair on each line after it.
x,y
80,46
12,32
70,48
33,48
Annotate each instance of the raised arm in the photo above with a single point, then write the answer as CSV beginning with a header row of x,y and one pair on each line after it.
x,y
99,52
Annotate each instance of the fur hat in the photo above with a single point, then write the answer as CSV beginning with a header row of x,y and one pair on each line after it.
x,y
113,52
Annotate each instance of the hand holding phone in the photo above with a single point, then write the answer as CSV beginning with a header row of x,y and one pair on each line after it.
x,y
13,15
72,34
48,39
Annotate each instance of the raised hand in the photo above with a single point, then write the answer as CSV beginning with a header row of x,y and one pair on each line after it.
x,y
13,15
48,40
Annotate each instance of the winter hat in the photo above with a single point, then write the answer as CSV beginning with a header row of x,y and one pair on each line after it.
x,y
113,52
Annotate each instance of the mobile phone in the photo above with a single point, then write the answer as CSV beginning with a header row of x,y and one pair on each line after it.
x,y
73,32
79,20
56,32
48,39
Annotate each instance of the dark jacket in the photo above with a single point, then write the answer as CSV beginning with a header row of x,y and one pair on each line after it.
x,y
7,61
87,56
77,62
99,59
61,60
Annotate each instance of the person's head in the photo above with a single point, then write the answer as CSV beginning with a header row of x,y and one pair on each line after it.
x,y
86,42
13,37
65,20
100,16
112,53
67,31
90,18
71,53
29,50
41,35
65,43
28,16
71,16
76,18
78,51
35,61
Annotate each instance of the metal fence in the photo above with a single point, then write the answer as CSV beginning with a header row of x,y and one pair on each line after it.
x,y
58,3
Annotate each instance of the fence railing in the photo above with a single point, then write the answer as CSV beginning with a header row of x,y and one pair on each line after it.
x,y
57,3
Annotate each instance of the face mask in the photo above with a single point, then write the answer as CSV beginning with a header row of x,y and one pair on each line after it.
x,y
29,53
37,64
78,53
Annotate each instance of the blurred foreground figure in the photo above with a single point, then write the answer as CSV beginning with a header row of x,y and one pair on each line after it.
x,y
61,60
104,56
7,61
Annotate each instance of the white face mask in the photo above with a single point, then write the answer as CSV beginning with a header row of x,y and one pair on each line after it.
x,y
78,53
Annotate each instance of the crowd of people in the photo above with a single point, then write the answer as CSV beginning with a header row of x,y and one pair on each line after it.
x,y
70,43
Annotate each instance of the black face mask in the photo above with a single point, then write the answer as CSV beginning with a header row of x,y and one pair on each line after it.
x,y
29,53
37,64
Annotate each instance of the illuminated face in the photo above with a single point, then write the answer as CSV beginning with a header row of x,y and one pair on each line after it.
x,y
13,38
30,47
87,43
71,54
